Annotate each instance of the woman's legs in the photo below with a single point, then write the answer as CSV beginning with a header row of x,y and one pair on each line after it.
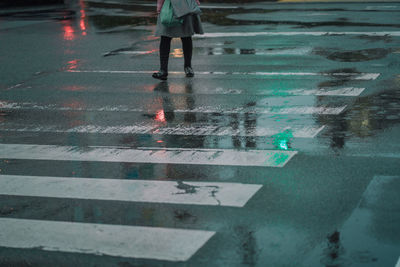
x,y
187,46
165,47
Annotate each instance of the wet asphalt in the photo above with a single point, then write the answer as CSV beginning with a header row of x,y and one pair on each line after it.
x,y
79,75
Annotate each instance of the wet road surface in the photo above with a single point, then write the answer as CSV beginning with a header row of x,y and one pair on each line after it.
x,y
283,150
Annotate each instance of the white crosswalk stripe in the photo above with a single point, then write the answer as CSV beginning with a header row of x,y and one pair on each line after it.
x,y
195,130
195,193
309,33
101,239
228,157
203,109
354,76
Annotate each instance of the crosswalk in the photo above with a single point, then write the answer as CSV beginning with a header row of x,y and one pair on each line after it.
x,y
161,243
101,239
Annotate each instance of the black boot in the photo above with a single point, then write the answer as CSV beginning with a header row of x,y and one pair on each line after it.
x,y
189,72
162,74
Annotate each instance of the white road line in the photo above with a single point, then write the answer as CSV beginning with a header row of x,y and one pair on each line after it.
x,y
193,193
218,51
201,129
229,157
321,33
398,263
204,109
345,91
101,239
353,76
348,91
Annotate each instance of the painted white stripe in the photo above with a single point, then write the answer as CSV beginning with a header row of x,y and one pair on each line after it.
x,y
218,51
201,129
204,109
355,76
194,193
348,91
345,91
101,239
229,157
398,263
134,52
321,33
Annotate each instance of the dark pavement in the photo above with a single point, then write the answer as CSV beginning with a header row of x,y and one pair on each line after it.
x,y
283,150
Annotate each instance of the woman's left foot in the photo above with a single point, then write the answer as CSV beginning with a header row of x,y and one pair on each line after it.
x,y
189,72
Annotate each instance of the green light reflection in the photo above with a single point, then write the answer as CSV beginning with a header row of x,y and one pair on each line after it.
x,y
281,141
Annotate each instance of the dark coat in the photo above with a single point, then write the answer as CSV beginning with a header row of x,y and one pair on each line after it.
x,y
161,2
191,23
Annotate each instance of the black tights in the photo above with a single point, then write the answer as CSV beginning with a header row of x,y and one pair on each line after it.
x,y
165,47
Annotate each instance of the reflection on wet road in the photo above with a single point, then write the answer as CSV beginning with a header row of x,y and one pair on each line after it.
x,y
283,150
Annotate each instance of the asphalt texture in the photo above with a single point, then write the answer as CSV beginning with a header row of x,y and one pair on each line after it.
x,y
317,81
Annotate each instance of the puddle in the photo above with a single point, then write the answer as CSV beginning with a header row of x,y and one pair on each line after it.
x,y
339,80
384,38
354,55
359,55
56,13
103,22
366,117
334,253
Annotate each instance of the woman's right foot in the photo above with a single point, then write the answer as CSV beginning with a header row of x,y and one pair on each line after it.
x,y
161,75
189,71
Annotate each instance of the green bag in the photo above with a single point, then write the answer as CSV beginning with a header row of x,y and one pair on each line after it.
x,y
167,15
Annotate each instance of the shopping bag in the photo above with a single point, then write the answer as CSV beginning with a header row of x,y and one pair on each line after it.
x,y
167,15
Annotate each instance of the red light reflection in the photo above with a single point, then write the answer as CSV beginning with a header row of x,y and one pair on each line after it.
x,y
69,33
73,64
2,116
160,116
74,105
82,22
73,88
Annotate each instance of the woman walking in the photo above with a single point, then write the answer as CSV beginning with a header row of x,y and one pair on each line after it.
x,y
191,24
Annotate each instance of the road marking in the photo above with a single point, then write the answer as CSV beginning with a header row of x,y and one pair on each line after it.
x,y
204,109
193,193
218,51
345,91
352,75
321,33
229,157
200,129
348,91
101,239
398,263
